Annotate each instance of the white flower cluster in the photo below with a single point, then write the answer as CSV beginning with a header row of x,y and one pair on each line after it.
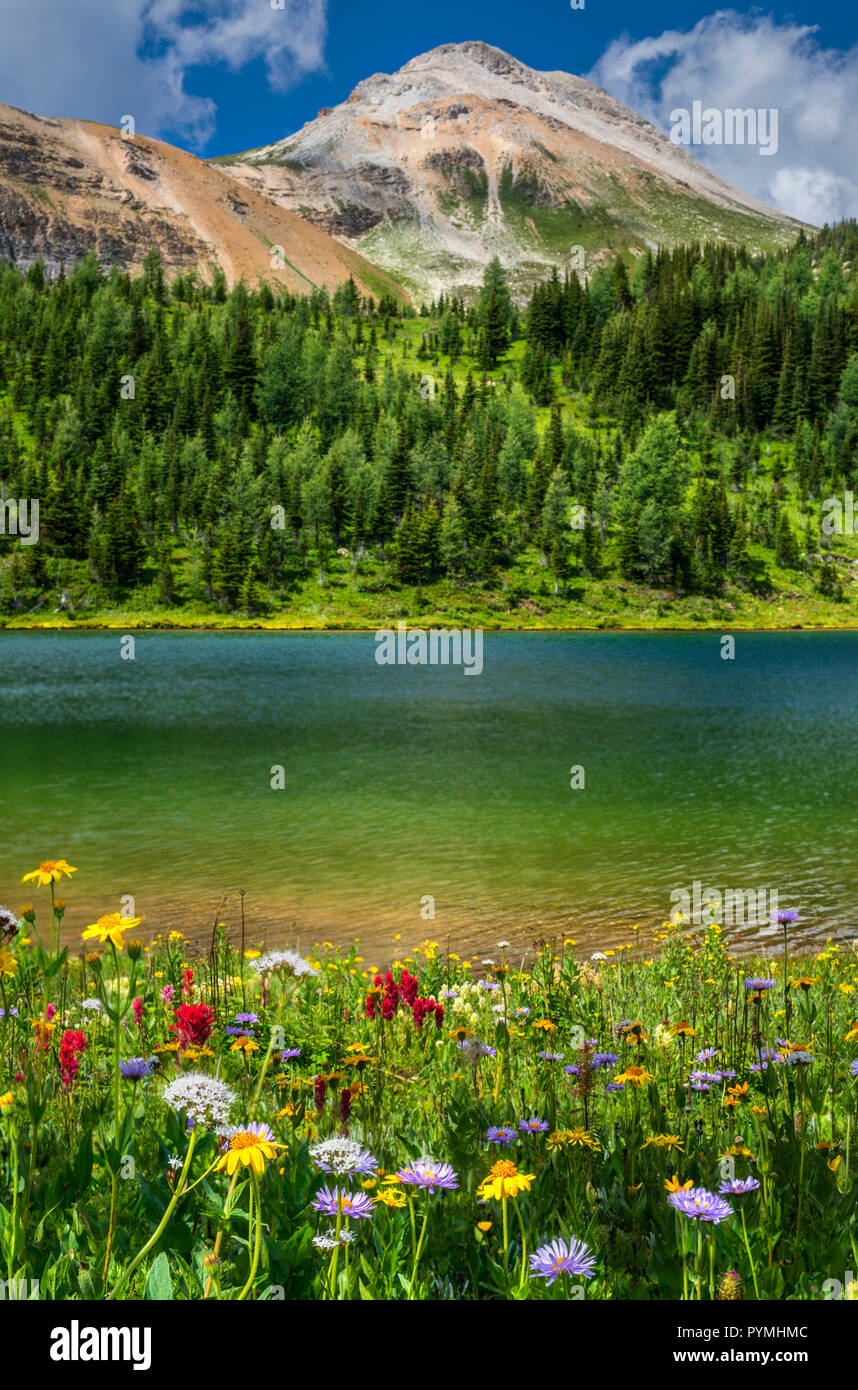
x,y
287,962
204,1099
664,1036
328,1240
342,1156
94,1005
472,1007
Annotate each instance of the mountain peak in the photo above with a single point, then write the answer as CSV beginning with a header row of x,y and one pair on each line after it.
x,y
495,60
466,153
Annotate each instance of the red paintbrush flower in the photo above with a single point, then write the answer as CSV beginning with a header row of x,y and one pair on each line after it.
x,y
193,1024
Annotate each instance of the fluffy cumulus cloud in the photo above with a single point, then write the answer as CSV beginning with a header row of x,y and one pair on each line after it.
x,y
104,59
736,61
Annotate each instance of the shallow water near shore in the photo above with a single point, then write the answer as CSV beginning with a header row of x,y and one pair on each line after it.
x,y
401,784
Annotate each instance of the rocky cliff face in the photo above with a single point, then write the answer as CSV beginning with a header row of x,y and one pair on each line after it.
x,y
68,187
466,153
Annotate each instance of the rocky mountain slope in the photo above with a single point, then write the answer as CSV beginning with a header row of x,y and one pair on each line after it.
x,y
466,153
67,187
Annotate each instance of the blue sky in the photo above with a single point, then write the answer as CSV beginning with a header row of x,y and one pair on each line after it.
x,y
365,38
219,76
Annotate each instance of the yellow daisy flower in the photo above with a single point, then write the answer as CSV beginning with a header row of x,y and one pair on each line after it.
x,y
110,928
249,1148
51,871
389,1197
504,1180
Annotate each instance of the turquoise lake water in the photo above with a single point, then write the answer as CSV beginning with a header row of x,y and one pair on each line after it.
x,y
153,777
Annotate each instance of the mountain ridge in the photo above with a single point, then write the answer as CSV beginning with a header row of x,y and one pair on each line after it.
x,y
70,186
466,152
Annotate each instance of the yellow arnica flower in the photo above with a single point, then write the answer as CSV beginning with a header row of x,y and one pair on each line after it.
x,y
389,1197
504,1181
634,1076
581,1137
664,1141
250,1148
6,1100
51,871
8,963
110,928
672,1184
244,1044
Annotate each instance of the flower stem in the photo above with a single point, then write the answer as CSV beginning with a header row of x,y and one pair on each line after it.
x,y
254,1193
162,1224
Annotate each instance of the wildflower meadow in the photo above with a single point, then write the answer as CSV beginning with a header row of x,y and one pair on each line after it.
x,y
658,1122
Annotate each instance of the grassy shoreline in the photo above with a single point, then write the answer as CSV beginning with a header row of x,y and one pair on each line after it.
x,y
121,623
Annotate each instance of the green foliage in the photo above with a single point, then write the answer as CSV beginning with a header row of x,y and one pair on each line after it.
x,y
699,409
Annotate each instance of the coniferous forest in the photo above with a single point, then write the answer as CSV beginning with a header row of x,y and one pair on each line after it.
x,y
641,445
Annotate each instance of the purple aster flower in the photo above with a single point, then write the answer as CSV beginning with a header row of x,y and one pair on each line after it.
x,y
137,1067
757,985
553,1057
700,1205
13,1013
352,1204
854,1068
246,1018
705,1079
570,1071
605,1059
534,1125
563,1257
739,1187
487,984
290,1053
708,1054
474,1051
522,1012
615,1086
237,1032
788,915
501,1134
427,1174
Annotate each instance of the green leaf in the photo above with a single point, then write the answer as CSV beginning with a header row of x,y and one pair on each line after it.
x,y
159,1285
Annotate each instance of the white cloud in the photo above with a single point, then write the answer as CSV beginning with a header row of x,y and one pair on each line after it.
x,y
730,60
103,59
